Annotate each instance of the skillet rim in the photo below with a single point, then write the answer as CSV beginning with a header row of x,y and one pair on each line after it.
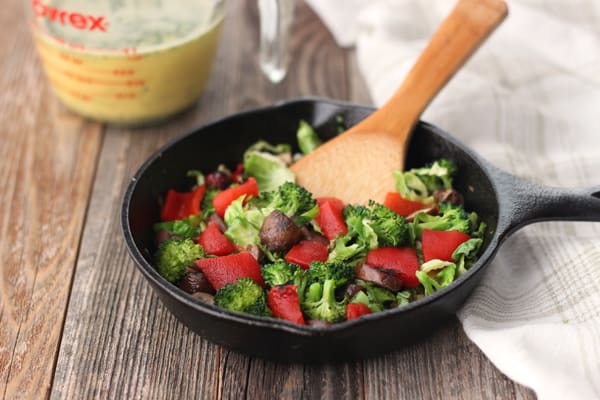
x,y
180,296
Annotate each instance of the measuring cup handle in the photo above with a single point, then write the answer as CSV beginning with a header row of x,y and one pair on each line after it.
x,y
276,17
523,202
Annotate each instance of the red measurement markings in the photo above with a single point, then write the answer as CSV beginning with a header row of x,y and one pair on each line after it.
x,y
125,96
122,72
87,97
92,80
70,59
74,93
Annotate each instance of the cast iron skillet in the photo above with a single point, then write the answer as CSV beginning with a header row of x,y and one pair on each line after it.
x,y
503,201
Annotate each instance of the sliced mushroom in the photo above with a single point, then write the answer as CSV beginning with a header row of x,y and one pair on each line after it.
x,y
194,282
279,233
380,277
215,219
353,289
256,252
428,211
309,234
449,196
205,297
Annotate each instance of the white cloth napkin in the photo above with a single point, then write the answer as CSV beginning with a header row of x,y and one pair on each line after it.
x,y
528,101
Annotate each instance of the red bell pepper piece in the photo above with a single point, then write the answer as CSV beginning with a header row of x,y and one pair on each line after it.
x,y
228,269
331,218
401,206
180,205
236,176
285,303
355,310
338,203
441,244
403,260
214,242
227,196
305,252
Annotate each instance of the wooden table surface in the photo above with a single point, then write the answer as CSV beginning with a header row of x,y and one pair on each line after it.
x,y
76,318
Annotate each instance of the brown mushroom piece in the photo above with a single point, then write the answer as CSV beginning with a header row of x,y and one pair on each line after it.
x,y
215,219
428,211
279,233
256,252
309,234
194,282
449,196
204,297
352,290
380,277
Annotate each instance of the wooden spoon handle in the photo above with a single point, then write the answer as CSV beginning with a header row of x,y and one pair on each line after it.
x,y
459,35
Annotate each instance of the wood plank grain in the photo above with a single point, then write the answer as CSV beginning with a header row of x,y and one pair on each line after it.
x,y
120,342
47,163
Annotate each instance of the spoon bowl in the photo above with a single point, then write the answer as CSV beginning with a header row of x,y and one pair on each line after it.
x,y
357,165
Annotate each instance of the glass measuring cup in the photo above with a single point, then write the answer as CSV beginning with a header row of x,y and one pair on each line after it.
x,y
126,61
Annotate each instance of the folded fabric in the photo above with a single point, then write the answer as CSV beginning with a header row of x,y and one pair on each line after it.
x,y
528,101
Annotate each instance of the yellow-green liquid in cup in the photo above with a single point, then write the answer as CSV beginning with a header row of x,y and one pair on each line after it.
x,y
127,62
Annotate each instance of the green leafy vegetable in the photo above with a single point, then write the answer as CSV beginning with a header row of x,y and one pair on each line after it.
x,y
418,184
189,228
465,255
308,140
207,206
451,218
435,275
243,223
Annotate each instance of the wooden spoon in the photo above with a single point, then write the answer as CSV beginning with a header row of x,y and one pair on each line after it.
x,y
357,165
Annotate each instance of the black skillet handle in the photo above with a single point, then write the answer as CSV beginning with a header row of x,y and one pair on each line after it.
x,y
523,202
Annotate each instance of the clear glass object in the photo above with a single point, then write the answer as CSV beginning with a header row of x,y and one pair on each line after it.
x,y
128,62
276,19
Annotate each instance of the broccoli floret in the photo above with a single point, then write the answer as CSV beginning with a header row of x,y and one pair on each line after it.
x,y
418,184
347,251
465,255
243,296
188,228
291,199
268,164
243,223
368,228
352,247
374,297
320,302
391,229
435,275
279,273
300,279
174,255
308,140
451,218
340,273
